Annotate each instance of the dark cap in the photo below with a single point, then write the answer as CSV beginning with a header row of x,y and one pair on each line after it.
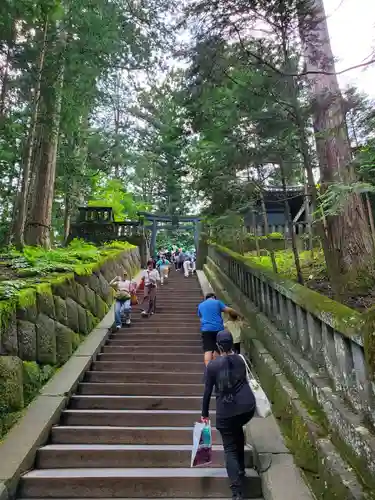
x,y
224,337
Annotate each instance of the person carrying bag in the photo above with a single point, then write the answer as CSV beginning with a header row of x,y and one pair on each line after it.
x,y
124,288
235,407
149,279
263,406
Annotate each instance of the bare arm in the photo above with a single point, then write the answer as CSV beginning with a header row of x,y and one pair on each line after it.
x,y
230,310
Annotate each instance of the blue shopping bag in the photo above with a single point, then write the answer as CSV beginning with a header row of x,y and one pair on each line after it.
x,y
201,454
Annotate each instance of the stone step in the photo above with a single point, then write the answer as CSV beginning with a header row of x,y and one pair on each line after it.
x,y
133,483
175,308
60,456
189,314
137,403
125,435
169,366
149,336
163,328
132,418
140,340
148,345
157,322
122,498
151,349
141,389
148,357
144,377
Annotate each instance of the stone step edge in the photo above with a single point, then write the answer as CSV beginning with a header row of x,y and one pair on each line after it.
x,y
157,472
140,412
122,447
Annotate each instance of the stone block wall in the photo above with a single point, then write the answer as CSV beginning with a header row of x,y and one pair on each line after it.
x,y
40,331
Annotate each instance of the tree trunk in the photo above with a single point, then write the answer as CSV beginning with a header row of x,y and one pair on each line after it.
x,y
23,195
67,218
370,216
39,226
289,220
266,232
4,83
348,236
308,217
254,224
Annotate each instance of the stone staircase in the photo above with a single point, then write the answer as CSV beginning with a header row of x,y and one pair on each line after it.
x,y
127,432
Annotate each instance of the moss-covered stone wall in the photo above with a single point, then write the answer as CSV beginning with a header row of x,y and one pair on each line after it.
x,y
45,323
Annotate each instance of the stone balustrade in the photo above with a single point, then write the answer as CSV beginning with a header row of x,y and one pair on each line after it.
x,y
325,332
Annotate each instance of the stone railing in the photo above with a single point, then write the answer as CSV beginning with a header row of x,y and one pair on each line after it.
x,y
326,333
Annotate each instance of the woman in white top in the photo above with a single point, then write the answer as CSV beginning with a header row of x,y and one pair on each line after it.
x,y
150,276
124,289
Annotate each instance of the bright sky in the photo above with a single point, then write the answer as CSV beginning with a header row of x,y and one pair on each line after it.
x,y
351,26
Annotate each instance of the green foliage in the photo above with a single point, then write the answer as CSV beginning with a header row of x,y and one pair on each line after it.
x,y
179,238
313,267
334,198
270,236
42,265
112,194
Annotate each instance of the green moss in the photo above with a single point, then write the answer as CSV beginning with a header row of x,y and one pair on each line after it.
x,y
369,341
31,380
7,310
8,420
11,392
27,298
44,288
86,269
76,340
34,378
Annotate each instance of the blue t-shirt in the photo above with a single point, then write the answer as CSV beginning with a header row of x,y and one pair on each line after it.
x,y
209,312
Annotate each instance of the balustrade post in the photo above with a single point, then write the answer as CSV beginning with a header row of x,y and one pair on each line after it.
x,y
252,288
283,321
275,304
344,361
302,329
315,339
292,321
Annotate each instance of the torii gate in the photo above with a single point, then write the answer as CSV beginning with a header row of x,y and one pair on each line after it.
x,y
174,221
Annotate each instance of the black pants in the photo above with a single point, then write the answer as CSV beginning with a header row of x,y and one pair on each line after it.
x,y
231,430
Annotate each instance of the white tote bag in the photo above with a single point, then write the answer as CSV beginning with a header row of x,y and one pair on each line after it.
x,y
263,406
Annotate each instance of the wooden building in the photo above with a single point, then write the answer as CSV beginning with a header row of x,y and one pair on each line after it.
x,y
275,208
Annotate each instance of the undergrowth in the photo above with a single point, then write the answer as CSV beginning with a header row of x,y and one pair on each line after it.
x,y
313,265
20,270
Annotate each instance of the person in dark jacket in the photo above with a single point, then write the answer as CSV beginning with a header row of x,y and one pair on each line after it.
x,y
235,407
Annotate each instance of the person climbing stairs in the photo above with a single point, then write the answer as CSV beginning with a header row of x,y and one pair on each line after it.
x,y
127,432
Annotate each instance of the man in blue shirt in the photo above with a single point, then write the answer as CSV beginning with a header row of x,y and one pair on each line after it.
x,y
210,313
